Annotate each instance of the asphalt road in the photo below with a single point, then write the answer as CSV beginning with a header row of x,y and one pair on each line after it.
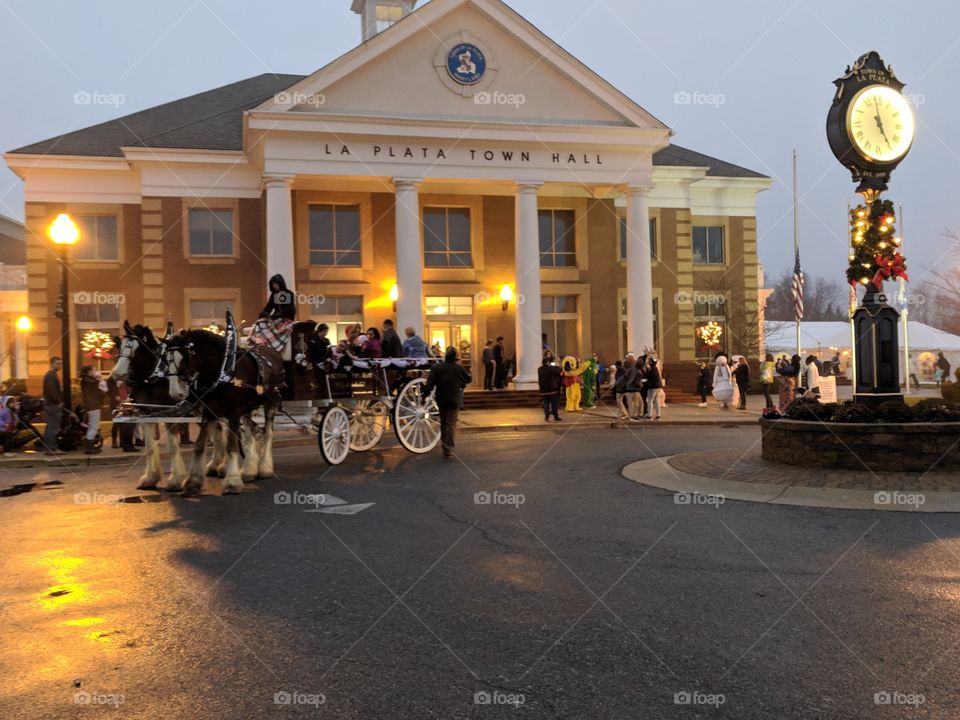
x,y
573,593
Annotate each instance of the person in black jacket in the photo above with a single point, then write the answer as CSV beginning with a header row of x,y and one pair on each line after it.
x,y
500,359
652,388
52,406
390,341
704,381
448,379
742,376
549,379
281,302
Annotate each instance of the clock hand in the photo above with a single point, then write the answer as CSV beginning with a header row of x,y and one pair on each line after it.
x,y
882,131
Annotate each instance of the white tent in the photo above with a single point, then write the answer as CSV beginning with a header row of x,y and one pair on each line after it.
x,y
828,339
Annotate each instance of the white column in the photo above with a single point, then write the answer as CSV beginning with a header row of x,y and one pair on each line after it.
x,y
21,353
280,248
409,256
529,324
5,348
639,273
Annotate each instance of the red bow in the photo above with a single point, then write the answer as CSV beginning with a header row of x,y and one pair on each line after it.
x,y
887,268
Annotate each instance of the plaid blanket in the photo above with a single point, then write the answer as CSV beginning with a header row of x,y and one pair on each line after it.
x,y
273,334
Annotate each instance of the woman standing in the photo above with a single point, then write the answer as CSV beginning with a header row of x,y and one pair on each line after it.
x,y
653,386
788,372
93,389
766,380
704,382
742,375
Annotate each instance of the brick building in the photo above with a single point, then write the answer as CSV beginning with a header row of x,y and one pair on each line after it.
x,y
456,151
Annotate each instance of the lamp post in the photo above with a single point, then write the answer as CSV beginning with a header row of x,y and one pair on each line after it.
x,y
63,231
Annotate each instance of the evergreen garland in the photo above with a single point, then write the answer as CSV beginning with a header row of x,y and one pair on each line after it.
x,y
874,246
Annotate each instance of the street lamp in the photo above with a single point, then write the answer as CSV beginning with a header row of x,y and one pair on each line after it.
x,y
63,231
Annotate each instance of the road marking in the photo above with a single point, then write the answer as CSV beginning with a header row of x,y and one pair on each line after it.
x,y
342,509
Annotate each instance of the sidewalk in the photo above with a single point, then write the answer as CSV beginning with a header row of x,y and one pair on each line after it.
x,y
515,419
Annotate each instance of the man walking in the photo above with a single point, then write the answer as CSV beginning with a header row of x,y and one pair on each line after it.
x,y
448,379
489,365
390,341
549,379
500,360
52,406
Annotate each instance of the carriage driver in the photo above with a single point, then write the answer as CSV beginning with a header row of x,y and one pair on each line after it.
x,y
275,325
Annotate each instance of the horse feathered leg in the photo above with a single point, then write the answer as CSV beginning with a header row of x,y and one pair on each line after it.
x,y
232,481
194,482
265,468
178,469
251,461
151,474
217,466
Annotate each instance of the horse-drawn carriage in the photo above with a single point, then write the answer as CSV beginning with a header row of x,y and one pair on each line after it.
x,y
207,378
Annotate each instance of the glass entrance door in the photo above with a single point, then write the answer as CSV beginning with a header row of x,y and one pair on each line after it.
x,y
452,333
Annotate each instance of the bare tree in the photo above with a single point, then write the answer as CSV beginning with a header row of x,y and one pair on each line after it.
x,y
941,296
823,299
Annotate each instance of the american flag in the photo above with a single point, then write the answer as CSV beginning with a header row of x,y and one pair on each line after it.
x,y
797,288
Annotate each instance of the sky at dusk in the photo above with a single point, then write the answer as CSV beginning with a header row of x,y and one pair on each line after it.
x,y
768,66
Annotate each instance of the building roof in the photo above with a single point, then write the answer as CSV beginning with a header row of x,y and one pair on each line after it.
x,y
213,120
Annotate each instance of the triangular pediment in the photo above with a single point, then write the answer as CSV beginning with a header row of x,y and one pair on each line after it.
x,y
402,73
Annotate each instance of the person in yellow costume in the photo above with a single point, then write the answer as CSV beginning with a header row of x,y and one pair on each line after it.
x,y
572,370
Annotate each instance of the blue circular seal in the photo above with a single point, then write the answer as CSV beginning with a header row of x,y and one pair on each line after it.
x,y
466,64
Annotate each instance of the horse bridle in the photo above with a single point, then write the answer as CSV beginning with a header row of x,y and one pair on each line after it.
x,y
174,368
158,371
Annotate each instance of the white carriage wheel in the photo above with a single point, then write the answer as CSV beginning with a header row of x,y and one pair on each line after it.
x,y
334,435
416,419
368,418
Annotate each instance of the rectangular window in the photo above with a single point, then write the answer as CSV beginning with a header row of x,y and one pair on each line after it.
x,y
623,238
204,313
710,309
339,313
708,244
558,240
559,324
98,314
624,339
211,232
446,237
98,238
335,235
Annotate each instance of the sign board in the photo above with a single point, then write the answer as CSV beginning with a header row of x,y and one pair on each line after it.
x,y
828,389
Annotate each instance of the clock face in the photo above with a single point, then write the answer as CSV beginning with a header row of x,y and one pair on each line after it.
x,y
880,123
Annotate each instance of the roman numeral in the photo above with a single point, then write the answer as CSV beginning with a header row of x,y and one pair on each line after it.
x,y
896,138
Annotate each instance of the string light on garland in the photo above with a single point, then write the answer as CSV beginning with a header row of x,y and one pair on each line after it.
x,y
710,334
875,248
96,345
215,329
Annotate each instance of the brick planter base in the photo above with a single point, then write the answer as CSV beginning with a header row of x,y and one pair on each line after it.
x,y
910,447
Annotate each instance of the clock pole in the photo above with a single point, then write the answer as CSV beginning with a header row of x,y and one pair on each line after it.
x,y
870,130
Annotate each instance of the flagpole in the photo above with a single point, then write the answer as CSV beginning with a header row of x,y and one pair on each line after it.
x,y
904,313
796,236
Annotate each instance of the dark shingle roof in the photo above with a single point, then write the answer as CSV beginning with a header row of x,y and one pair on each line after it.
x,y
211,120
675,155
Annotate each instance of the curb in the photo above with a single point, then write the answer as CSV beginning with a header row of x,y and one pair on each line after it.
x,y
657,473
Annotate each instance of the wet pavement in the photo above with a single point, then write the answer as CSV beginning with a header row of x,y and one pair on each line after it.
x,y
526,578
